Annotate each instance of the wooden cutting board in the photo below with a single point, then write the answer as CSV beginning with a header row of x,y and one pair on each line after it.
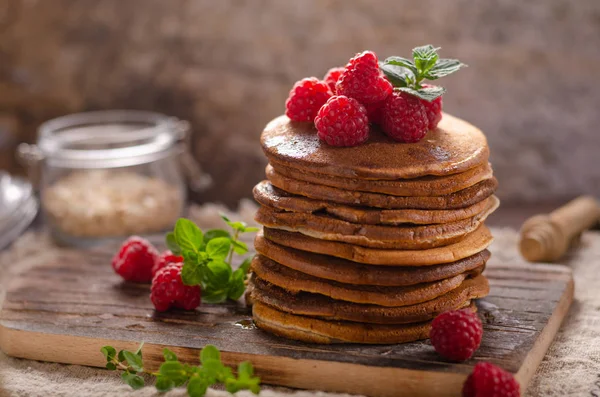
x,y
73,302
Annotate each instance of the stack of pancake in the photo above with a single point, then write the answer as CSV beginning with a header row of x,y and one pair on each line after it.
x,y
368,244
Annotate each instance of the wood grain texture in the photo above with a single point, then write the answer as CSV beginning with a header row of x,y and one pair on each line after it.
x,y
74,302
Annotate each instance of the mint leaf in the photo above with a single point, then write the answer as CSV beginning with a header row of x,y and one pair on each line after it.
x,y
218,248
212,295
250,229
164,384
425,57
397,75
216,233
174,371
209,352
187,235
197,386
192,272
111,366
426,93
245,370
245,266
135,381
405,63
220,273
169,355
239,247
120,356
224,217
109,352
237,285
139,350
172,243
134,361
444,67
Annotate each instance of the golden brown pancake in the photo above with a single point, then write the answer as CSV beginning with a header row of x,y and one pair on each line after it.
x,y
314,330
267,194
314,305
473,243
325,227
348,272
424,186
295,282
461,199
454,147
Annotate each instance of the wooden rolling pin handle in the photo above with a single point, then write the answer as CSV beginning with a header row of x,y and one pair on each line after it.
x,y
548,237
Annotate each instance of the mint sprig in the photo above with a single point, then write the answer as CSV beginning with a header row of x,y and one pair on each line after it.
x,y
407,75
207,258
173,373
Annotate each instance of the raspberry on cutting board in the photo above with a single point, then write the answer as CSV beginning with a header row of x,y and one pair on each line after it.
x,y
306,98
169,291
342,121
488,380
164,259
135,260
456,334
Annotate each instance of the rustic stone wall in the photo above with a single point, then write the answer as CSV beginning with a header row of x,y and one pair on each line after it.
x,y
227,66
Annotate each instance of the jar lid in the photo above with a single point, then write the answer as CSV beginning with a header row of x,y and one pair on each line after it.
x,y
106,139
18,207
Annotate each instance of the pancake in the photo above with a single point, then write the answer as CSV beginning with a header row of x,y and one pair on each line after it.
x,y
294,282
455,146
424,186
314,305
374,236
473,243
267,194
461,199
348,272
314,330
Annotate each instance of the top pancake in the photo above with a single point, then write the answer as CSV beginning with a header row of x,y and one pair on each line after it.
x,y
453,147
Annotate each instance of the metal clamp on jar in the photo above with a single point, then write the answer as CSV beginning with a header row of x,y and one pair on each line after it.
x,y
110,174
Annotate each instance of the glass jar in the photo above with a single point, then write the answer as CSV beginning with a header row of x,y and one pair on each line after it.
x,y
111,174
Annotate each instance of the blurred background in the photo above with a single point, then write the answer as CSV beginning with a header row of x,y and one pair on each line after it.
x,y
227,66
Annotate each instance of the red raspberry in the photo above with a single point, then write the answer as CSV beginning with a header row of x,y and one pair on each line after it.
x,y
363,81
375,112
332,76
487,380
169,291
404,118
135,260
164,259
456,334
342,121
306,98
433,109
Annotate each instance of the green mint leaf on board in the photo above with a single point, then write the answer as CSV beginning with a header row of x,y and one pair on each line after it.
x,y
121,356
139,350
425,57
197,386
215,233
134,361
209,352
172,243
135,381
188,236
403,62
173,370
245,266
426,93
192,272
109,352
239,247
219,273
169,355
214,295
164,384
237,286
444,67
399,76
110,365
218,248
251,229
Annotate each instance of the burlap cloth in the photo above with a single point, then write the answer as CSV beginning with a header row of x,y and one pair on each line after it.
x,y
571,366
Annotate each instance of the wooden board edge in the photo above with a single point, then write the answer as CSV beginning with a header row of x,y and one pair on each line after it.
x,y
540,347
281,371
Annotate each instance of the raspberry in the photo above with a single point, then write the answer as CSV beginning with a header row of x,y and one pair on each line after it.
x,y
433,109
305,99
404,117
487,380
456,334
164,259
363,81
135,260
375,112
342,121
332,76
169,291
